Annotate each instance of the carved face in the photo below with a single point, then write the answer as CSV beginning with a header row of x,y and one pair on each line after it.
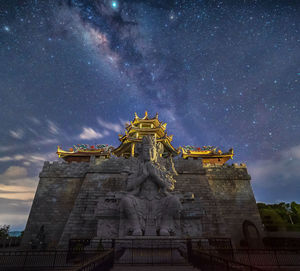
x,y
149,153
150,186
149,148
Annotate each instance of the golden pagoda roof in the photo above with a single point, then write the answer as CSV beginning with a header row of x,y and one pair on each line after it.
x,y
140,127
207,153
134,133
85,150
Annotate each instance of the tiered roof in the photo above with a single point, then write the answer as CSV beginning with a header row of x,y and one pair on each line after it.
x,y
134,133
137,129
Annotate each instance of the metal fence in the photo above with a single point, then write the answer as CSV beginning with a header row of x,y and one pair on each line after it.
x,y
210,253
264,258
41,260
149,251
10,242
205,243
209,262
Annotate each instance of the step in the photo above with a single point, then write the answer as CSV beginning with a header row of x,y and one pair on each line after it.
x,y
158,256
123,267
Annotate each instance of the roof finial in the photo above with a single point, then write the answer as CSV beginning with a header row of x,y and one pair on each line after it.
x,y
156,115
135,115
146,115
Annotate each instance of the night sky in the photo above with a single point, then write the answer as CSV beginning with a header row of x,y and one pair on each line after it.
x,y
222,73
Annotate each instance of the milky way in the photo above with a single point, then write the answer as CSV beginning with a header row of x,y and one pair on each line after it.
x,y
222,73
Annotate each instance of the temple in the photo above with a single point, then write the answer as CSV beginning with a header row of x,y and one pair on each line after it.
x,y
134,133
145,187
83,152
209,155
140,127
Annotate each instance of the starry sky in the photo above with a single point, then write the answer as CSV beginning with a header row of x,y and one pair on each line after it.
x,y
221,73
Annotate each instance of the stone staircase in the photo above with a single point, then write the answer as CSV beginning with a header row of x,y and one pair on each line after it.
x,y
121,267
159,258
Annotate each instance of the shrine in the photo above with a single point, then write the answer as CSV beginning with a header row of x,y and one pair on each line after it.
x,y
144,188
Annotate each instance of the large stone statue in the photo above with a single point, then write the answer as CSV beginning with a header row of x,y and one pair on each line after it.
x,y
148,208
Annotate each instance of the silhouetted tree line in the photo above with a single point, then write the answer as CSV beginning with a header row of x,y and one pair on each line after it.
x,y
281,216
6,240
4,231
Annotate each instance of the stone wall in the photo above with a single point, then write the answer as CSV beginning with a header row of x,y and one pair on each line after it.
x,y
216,200
225,195
54,199
235,199
202,209
102,177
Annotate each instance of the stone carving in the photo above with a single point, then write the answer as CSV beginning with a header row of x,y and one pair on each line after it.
x,y
107,213
148,208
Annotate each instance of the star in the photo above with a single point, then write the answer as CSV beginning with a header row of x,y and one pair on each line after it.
x,y
114,4
6,28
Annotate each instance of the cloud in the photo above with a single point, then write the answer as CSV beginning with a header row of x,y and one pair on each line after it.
x,y
16,192
285,166
14,212
15,207
17,222
16,184
34,120
16,157
292,153
14,172
7,148
29,158
89,133
124,122
277,178
6,158
52,128
44,141
110,126
18,134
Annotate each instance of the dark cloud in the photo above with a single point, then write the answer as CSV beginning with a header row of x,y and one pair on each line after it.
x,y
16,207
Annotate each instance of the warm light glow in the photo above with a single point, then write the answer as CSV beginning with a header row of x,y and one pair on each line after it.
x,y
16,192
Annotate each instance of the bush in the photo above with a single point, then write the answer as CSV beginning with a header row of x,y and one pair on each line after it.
x,y
4,230
281,216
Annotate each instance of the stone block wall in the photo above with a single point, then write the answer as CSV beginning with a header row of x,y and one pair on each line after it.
x,y
234,198
192,179
54,199
103,177
216,200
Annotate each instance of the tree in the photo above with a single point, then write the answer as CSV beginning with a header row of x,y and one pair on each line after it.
x,y
281,215
4,230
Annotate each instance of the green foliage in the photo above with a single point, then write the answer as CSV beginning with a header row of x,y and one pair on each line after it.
x,y
4,230
281,216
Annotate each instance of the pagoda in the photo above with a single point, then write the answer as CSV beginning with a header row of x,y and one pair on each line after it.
x,y
210,155
84,152
137,129
134,133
